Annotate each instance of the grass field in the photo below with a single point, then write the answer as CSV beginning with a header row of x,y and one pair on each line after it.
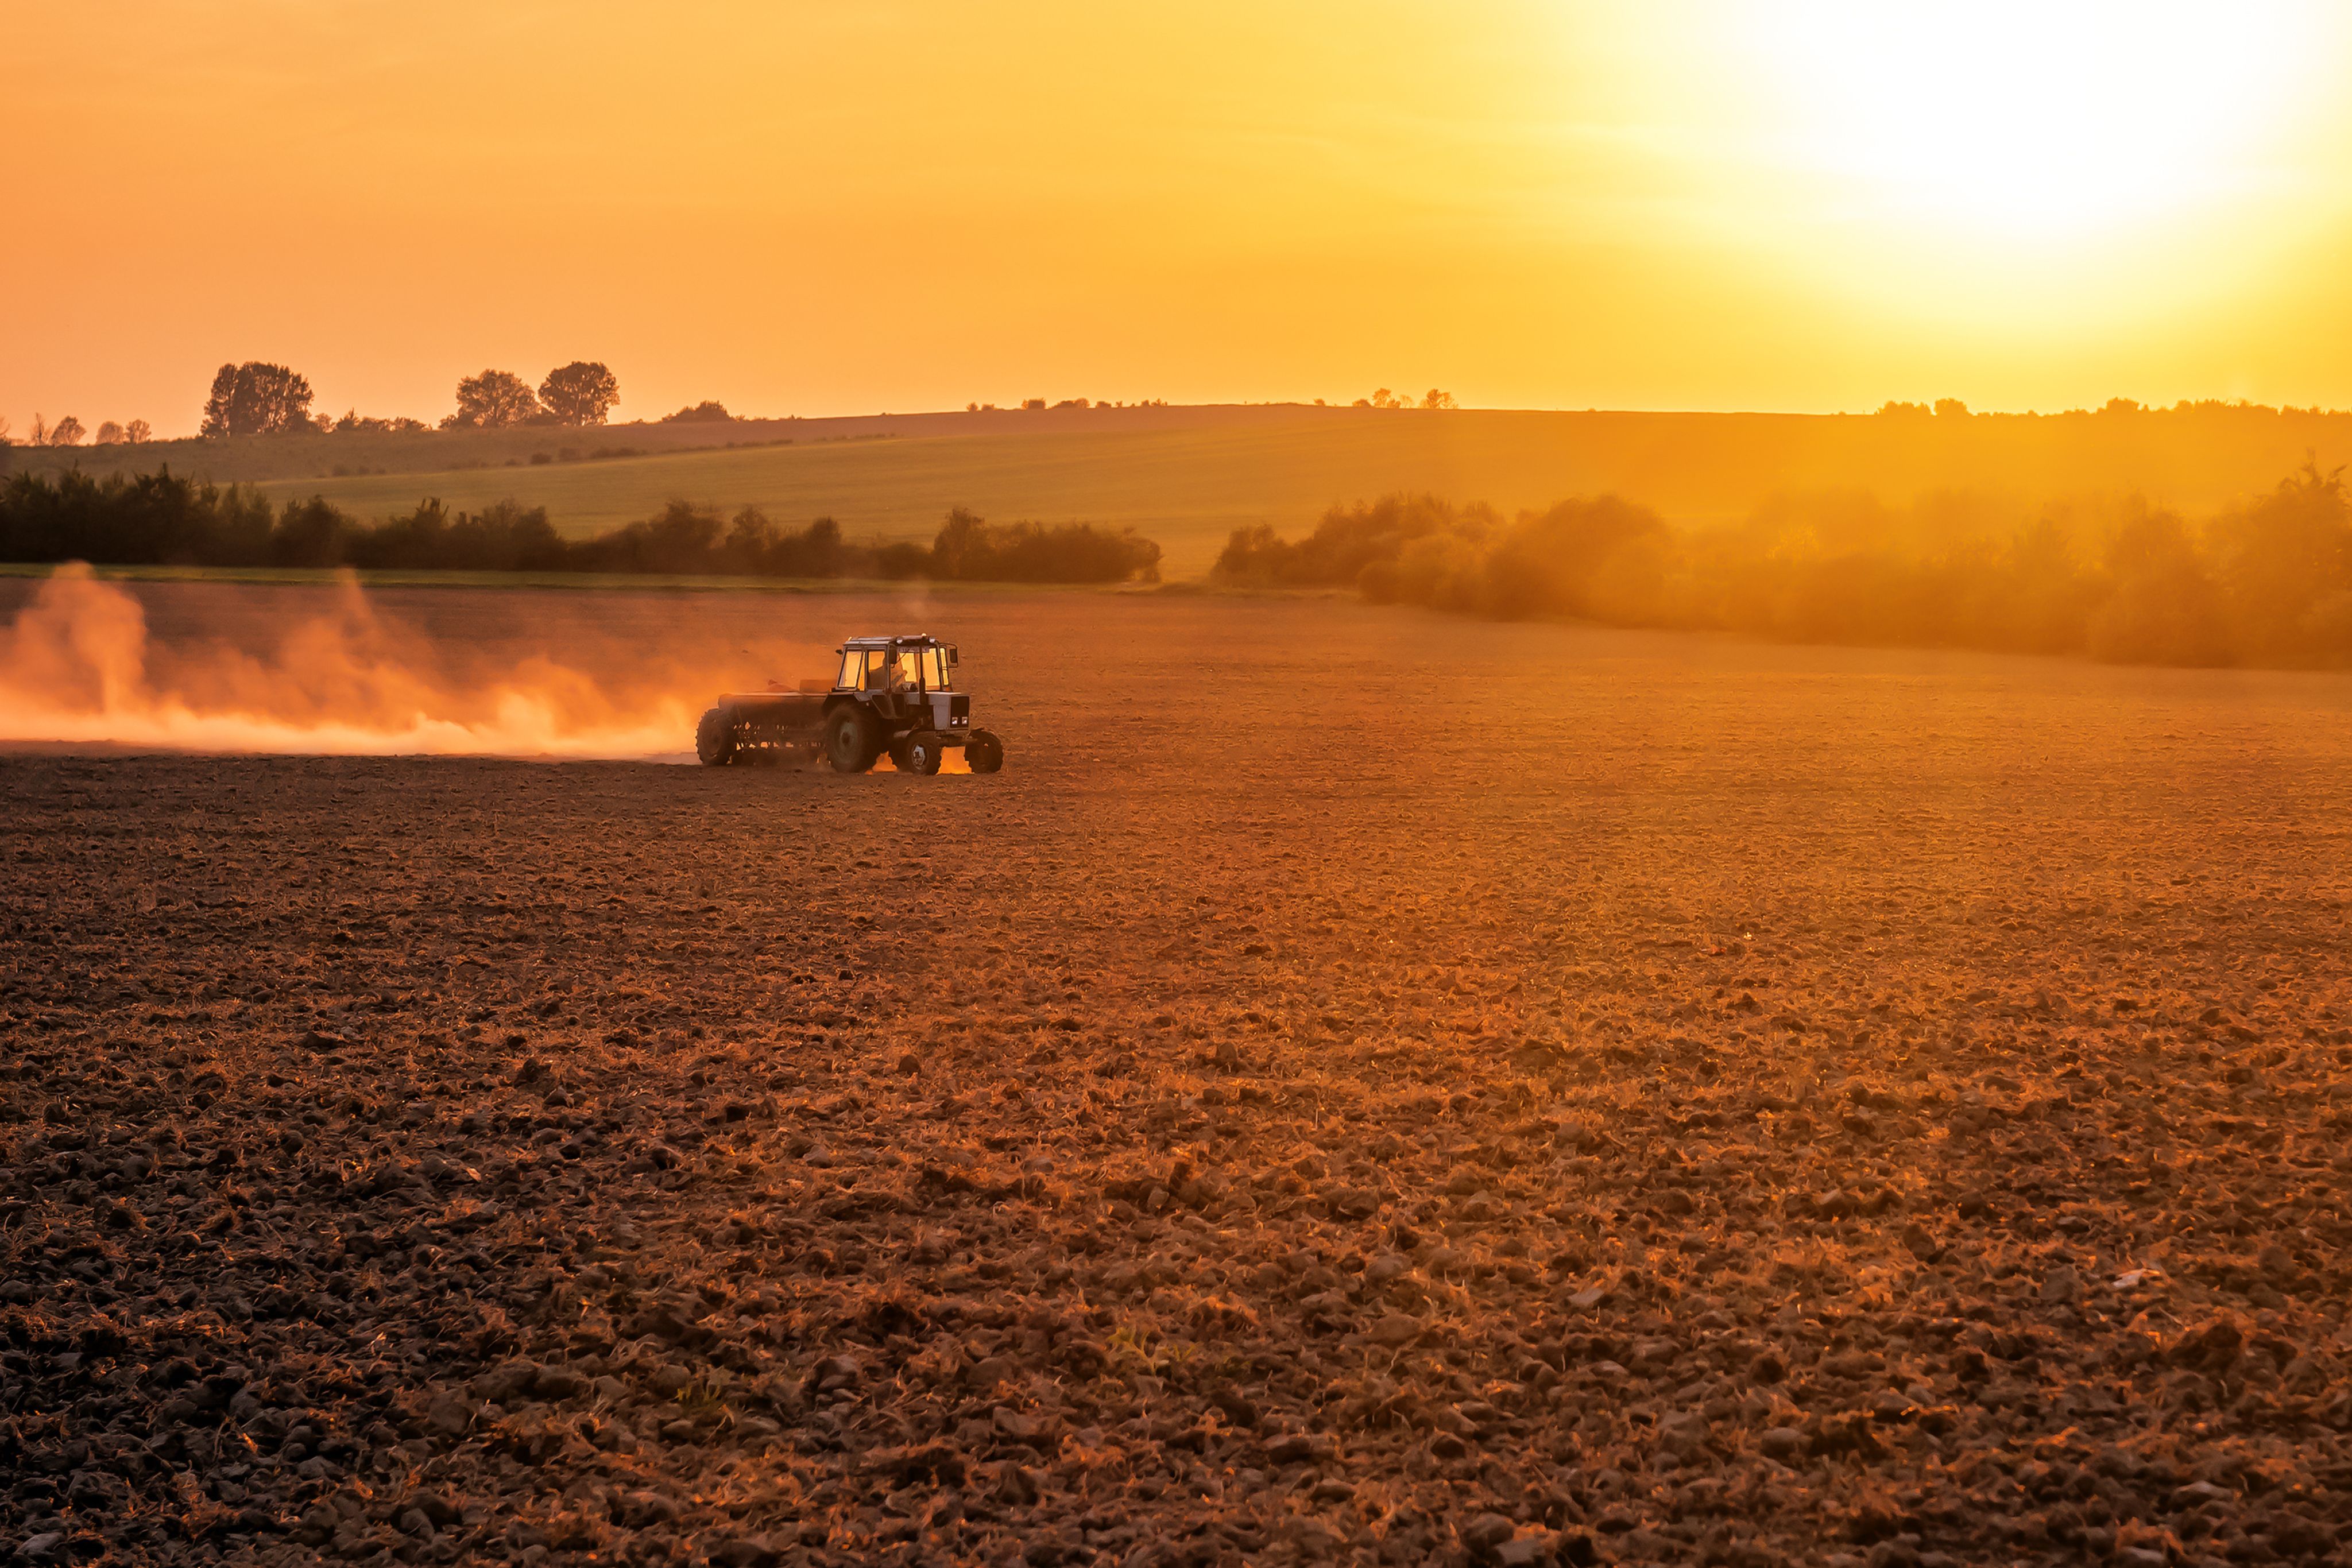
x,y
1188,477
1187,489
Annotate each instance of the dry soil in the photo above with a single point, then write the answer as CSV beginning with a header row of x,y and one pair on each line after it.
x,y
1357,1087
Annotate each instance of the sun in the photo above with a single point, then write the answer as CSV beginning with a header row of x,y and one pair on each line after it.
x,y
2033,120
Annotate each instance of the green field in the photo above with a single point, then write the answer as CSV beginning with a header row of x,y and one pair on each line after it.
x,y
1188,477
1187,489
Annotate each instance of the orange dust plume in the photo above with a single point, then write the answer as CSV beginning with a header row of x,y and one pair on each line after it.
x,y
77,665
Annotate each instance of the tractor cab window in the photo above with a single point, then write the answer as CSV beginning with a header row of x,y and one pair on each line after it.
x,y
864,670
893,670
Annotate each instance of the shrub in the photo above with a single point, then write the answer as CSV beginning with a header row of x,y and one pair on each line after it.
x,y
2267,583
970,549
504,537
150,519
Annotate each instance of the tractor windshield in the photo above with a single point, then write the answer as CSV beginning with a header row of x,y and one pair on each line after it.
x,y
886,670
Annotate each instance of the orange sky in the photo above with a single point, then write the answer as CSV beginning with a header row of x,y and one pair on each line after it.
x,y
1805,205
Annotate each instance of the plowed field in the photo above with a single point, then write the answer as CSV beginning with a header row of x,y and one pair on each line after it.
x,y
1357,1087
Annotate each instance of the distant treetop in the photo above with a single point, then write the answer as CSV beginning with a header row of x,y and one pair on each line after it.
x,y
2114,408
493,400
356,423
708,410
581,392
256,399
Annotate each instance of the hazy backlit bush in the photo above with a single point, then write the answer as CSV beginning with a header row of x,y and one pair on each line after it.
x,y
2268,583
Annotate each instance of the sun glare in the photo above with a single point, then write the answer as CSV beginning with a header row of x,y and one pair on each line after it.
x,y
2035,119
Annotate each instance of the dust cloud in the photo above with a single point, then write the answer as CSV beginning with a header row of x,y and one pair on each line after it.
x,y
79,666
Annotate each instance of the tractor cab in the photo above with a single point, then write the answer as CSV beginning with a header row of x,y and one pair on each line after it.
x,y
897,665
908,682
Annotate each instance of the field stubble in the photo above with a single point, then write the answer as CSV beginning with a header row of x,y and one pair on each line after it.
x,y
1357,1087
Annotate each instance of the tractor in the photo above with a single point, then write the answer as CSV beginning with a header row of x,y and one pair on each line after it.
x,y
894,696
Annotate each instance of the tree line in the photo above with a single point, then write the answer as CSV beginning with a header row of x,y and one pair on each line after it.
x,y
68,431
163,519
257,397
261,399
2267,583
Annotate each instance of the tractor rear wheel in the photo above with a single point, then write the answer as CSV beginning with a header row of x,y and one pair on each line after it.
x,y
714,737
983,753
922,749
852,739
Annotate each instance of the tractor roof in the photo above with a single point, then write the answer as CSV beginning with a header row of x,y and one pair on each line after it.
x,y
919,639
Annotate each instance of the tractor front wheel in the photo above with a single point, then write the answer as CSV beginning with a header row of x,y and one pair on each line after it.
x,y
983,753
922,749
714,737
852,739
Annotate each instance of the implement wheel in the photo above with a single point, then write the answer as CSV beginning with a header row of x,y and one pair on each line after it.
x,y
983,753
852,739
714,737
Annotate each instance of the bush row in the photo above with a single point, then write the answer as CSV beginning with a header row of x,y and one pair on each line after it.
x,y
161,520
2266,583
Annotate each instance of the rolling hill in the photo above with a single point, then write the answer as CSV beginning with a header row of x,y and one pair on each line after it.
x,y
1187,476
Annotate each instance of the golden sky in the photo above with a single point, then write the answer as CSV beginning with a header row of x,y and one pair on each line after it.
x,y
846,208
